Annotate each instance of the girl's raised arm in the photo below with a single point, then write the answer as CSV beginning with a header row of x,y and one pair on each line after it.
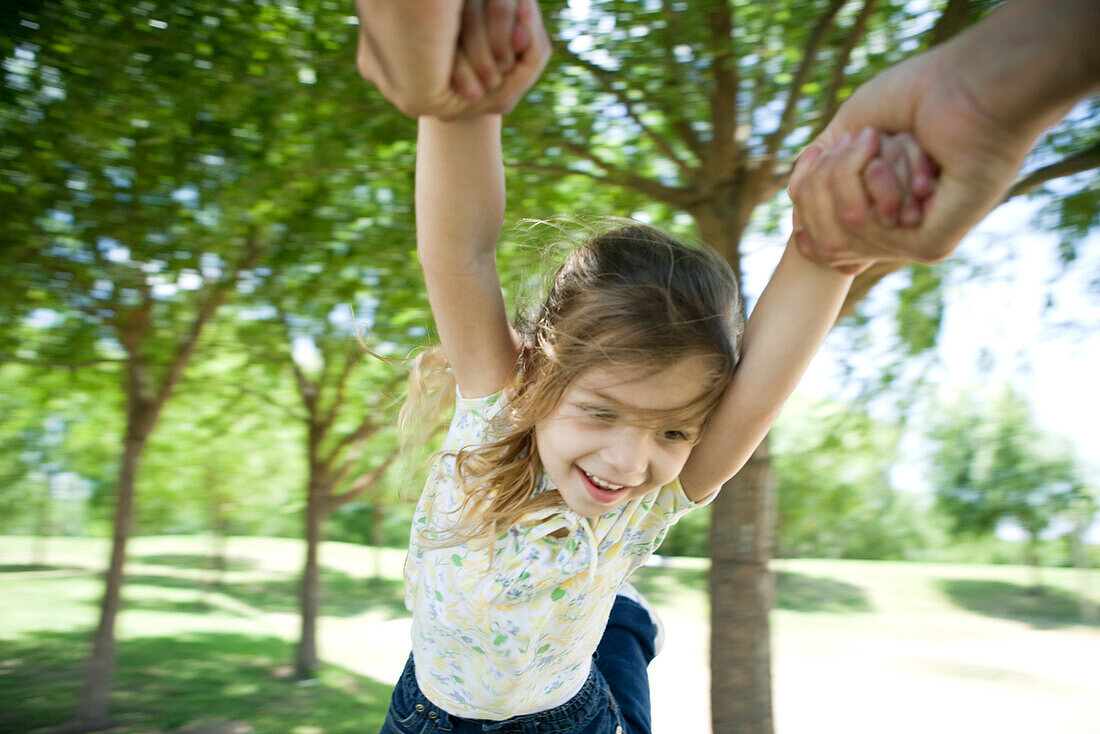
x,y
790,321
459,210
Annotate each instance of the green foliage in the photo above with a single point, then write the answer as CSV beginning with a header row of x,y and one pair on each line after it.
x,y
832,464
992,463
58,449
920,309
1074,208
145,145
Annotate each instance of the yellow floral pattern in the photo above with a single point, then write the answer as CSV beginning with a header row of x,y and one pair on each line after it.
x,y
493,640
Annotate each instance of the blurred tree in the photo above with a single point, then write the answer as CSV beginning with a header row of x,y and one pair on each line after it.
x,y
993,463
134,200
58,449
702,107
346,401
832,464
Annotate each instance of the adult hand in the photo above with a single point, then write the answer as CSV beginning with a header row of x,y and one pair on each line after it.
x,y
976,105
423,55
885,178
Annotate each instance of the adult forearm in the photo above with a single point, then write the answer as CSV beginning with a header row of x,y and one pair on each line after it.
x,y
1028,62
459,189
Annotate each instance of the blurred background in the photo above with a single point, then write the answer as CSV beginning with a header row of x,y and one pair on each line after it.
x,y
207,222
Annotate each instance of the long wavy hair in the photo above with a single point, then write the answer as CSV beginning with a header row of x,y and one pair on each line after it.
x,y
632,299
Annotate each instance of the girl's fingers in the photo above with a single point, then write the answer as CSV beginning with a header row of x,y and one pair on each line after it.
x,y
925,172
500,21
888,179
922,169
917,174
464,80
474,43
885,191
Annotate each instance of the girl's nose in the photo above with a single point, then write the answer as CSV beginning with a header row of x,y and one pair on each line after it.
x,y
628,453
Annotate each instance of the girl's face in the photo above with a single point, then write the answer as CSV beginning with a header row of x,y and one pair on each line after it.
x,y
600,453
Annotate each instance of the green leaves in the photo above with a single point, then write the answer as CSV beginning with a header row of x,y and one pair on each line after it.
x,y
992,462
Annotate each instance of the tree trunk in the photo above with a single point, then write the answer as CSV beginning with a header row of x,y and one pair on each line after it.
x,y
1031,554
742,541
310,593
1081,563
43,525
216,561
93,707
377,539
742,591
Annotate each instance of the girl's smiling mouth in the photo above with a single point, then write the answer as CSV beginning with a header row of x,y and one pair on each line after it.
x,y
602,490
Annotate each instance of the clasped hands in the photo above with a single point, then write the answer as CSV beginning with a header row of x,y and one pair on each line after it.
x,y
451,58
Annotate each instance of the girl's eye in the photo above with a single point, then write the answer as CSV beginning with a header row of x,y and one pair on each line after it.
x,y
598,413
676,435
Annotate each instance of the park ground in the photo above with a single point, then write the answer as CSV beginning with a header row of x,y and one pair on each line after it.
x,y
859,646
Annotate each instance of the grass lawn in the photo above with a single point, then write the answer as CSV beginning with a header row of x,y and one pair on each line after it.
x,y
858,646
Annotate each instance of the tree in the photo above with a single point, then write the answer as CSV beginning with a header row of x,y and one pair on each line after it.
x,y
832,464
130,205
701,107
993,463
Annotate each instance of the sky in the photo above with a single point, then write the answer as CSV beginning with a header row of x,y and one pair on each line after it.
x,y
1020,319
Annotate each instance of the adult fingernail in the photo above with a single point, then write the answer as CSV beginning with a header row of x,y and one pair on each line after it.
x,y
865,136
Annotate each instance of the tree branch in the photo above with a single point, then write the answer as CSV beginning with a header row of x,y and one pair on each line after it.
x,y
362,484
368,426
1083,160
723,112
855,33
290,412
809,58
329,416
606,80
679,123
14,359
206,312
649,187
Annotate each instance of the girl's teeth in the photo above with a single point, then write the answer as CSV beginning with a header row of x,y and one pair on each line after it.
x,y
601,483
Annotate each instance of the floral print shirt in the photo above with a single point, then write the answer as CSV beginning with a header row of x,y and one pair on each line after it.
x,y
516,636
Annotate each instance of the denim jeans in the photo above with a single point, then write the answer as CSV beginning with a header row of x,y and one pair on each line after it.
x,y
614,699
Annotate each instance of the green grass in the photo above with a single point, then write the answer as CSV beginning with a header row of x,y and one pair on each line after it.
x,y
198,647
189,652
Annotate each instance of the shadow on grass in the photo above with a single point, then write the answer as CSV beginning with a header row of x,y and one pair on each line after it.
x,y
794,591
661,584
341,595
798,592
197,561
39,567
1042,608
163,683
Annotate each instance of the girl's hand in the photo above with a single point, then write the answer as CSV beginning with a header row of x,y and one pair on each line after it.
x,y
487,46
899,180
502,49
857,189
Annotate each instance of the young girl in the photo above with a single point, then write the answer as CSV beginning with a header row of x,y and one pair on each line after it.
x,y
577,441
